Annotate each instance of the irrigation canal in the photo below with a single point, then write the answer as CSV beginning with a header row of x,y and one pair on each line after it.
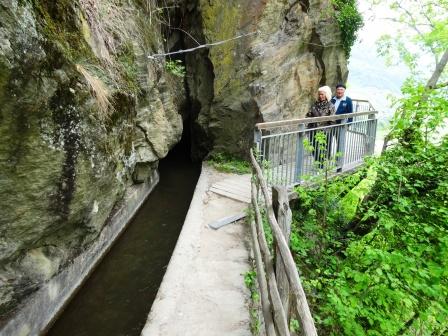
x,y
116,299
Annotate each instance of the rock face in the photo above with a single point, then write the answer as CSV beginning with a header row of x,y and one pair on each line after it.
x,y
82,116
84,113
271,74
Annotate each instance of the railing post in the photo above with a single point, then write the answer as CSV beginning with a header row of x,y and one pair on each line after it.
x,y
257,139
299,153
279,314
371,133
340,149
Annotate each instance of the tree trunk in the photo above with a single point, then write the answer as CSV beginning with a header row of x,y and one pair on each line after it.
x,y
432,82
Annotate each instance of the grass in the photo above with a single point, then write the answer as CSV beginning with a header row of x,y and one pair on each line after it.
x,y
229,164
99,91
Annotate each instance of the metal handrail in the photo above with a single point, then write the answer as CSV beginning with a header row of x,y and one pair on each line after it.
x,y
355,100
293,122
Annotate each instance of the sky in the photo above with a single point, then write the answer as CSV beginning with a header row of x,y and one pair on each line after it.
x,y
369,77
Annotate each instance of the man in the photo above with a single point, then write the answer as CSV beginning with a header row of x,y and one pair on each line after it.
x,y
341,102
343,105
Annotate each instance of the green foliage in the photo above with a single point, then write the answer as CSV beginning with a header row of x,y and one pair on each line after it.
x,y
128,67
349,20
229,164
350,202
419,41
267,229
175,67
250,279
421,114
384,271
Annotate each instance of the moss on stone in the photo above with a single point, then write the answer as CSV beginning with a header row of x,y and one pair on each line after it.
x,y
221,22
129,69
59,23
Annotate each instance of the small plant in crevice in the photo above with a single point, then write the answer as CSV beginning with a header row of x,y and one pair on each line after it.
x,y
294,326
250,279
175,67
267,228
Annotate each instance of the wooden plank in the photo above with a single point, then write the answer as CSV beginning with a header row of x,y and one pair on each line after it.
x,y
303,309
226,220
244,187
240,184
230,187
241,189
234,192
230,195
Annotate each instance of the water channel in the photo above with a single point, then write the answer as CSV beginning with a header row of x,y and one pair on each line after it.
x,y
116,299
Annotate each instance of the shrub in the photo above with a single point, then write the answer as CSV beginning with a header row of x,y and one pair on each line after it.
x,y
349,20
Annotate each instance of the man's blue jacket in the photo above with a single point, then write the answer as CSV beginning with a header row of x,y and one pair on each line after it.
x,y
345,106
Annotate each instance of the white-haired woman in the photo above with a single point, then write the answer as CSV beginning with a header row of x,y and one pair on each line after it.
x,y
321,108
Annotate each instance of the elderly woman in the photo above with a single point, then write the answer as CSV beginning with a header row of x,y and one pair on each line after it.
x,y
322,107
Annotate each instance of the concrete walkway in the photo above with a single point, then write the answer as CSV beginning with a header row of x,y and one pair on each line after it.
x,y
203,290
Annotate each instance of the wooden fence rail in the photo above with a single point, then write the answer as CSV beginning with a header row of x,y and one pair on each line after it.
x,y
276,285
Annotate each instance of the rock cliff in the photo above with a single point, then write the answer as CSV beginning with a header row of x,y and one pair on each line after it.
x,y
273,73
82,116
84,113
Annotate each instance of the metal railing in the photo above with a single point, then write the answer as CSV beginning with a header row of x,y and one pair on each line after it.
x,y
361,105
291,150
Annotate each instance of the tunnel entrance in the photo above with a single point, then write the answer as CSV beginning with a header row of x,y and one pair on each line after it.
x,y
182,29
118,296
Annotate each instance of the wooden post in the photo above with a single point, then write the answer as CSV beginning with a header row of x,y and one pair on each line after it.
x,y
261,277
284,218
280,319
303,309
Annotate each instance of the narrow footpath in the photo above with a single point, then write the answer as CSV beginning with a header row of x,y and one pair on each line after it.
x,y
203,290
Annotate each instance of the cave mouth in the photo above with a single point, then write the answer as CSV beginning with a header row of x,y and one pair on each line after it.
x,y
183,29
181,152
